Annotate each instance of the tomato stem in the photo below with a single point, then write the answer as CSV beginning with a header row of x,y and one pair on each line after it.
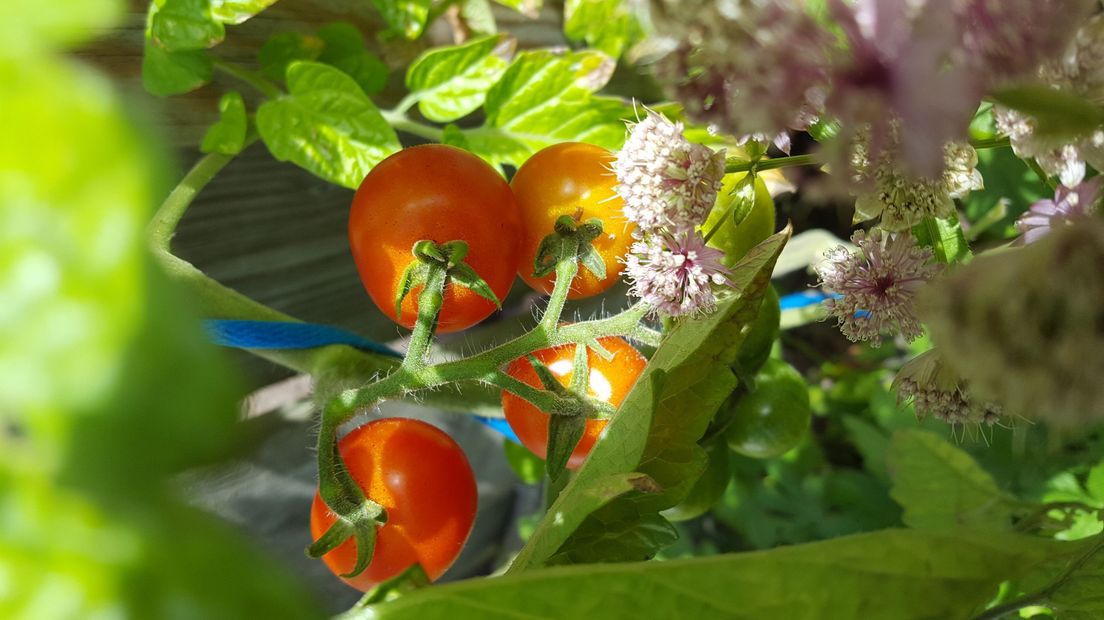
x,y
567,266
429,309
254,79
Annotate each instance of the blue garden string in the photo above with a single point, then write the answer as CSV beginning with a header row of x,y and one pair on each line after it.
x,y
242,334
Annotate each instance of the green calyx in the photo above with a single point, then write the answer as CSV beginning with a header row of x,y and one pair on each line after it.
x,y
438,265
570,240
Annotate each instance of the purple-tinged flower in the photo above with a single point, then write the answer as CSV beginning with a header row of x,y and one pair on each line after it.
x,y
676,274
1069,205
665,180
938,391
755,67
877,285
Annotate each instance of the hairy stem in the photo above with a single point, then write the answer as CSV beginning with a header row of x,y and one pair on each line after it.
x,y
429,308
401,122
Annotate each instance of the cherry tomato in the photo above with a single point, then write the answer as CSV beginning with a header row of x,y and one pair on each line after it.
x,y
709,488
573,179
772,419
440,193
610,381
737,239
760,338
424,482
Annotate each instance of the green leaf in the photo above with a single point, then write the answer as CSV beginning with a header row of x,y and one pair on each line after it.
x,y
227,136
1071,585
888,575
941,486
529,8
167,73
27,26
405,17
606,25
528,466
344,48
945,237
182,25
656,428
1057,113
284,48
478,16
1095,483
1008,181
237,11
326,125
454,136
451,82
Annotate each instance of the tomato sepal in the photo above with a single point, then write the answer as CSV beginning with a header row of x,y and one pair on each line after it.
x,y
361,525
570,240
430,261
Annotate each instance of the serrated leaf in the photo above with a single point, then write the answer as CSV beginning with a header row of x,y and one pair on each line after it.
x,y
237,11
284,48
941,486
888,575
166,73
605,25
227,136
182,25
656,432
406,17
451,82
343,47
326,125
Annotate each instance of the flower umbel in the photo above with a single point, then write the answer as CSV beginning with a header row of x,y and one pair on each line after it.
x,y
676,274
664,179
877,285
1069,205
936,390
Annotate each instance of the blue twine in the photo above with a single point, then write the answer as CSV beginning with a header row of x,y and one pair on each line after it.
x,y
243,334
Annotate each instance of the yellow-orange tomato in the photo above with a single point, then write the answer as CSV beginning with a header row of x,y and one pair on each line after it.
x,y
424,482
443,194
610,381
573,179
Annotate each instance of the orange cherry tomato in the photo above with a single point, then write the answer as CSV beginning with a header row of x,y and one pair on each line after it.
x,y
610,381
573,179
424,482
440,193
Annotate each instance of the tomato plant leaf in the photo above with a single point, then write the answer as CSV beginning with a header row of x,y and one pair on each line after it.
x,y
546,97
167,73
227,136
284,48
889,575
405,17
326,125
605,25
940,485
656,432
30,25
529,8
451,82
182,25
344,48
478,16
237,11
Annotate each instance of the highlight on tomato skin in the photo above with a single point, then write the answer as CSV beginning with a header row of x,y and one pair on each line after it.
x,y
440,193
610,381
423,480
575,179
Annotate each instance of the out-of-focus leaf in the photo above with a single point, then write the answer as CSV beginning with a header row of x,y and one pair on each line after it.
x,y
227,136
1072,585
167,73
528,466
605,25
944,236
940,486
237,11
344,48
889,575
30,25
284,48
451,82
326,125
1057,113
529,8
182,25
406,17
478,16
656,429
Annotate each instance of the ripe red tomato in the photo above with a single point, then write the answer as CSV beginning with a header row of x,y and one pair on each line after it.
x,y
424,482
440,193
574,179
610,381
